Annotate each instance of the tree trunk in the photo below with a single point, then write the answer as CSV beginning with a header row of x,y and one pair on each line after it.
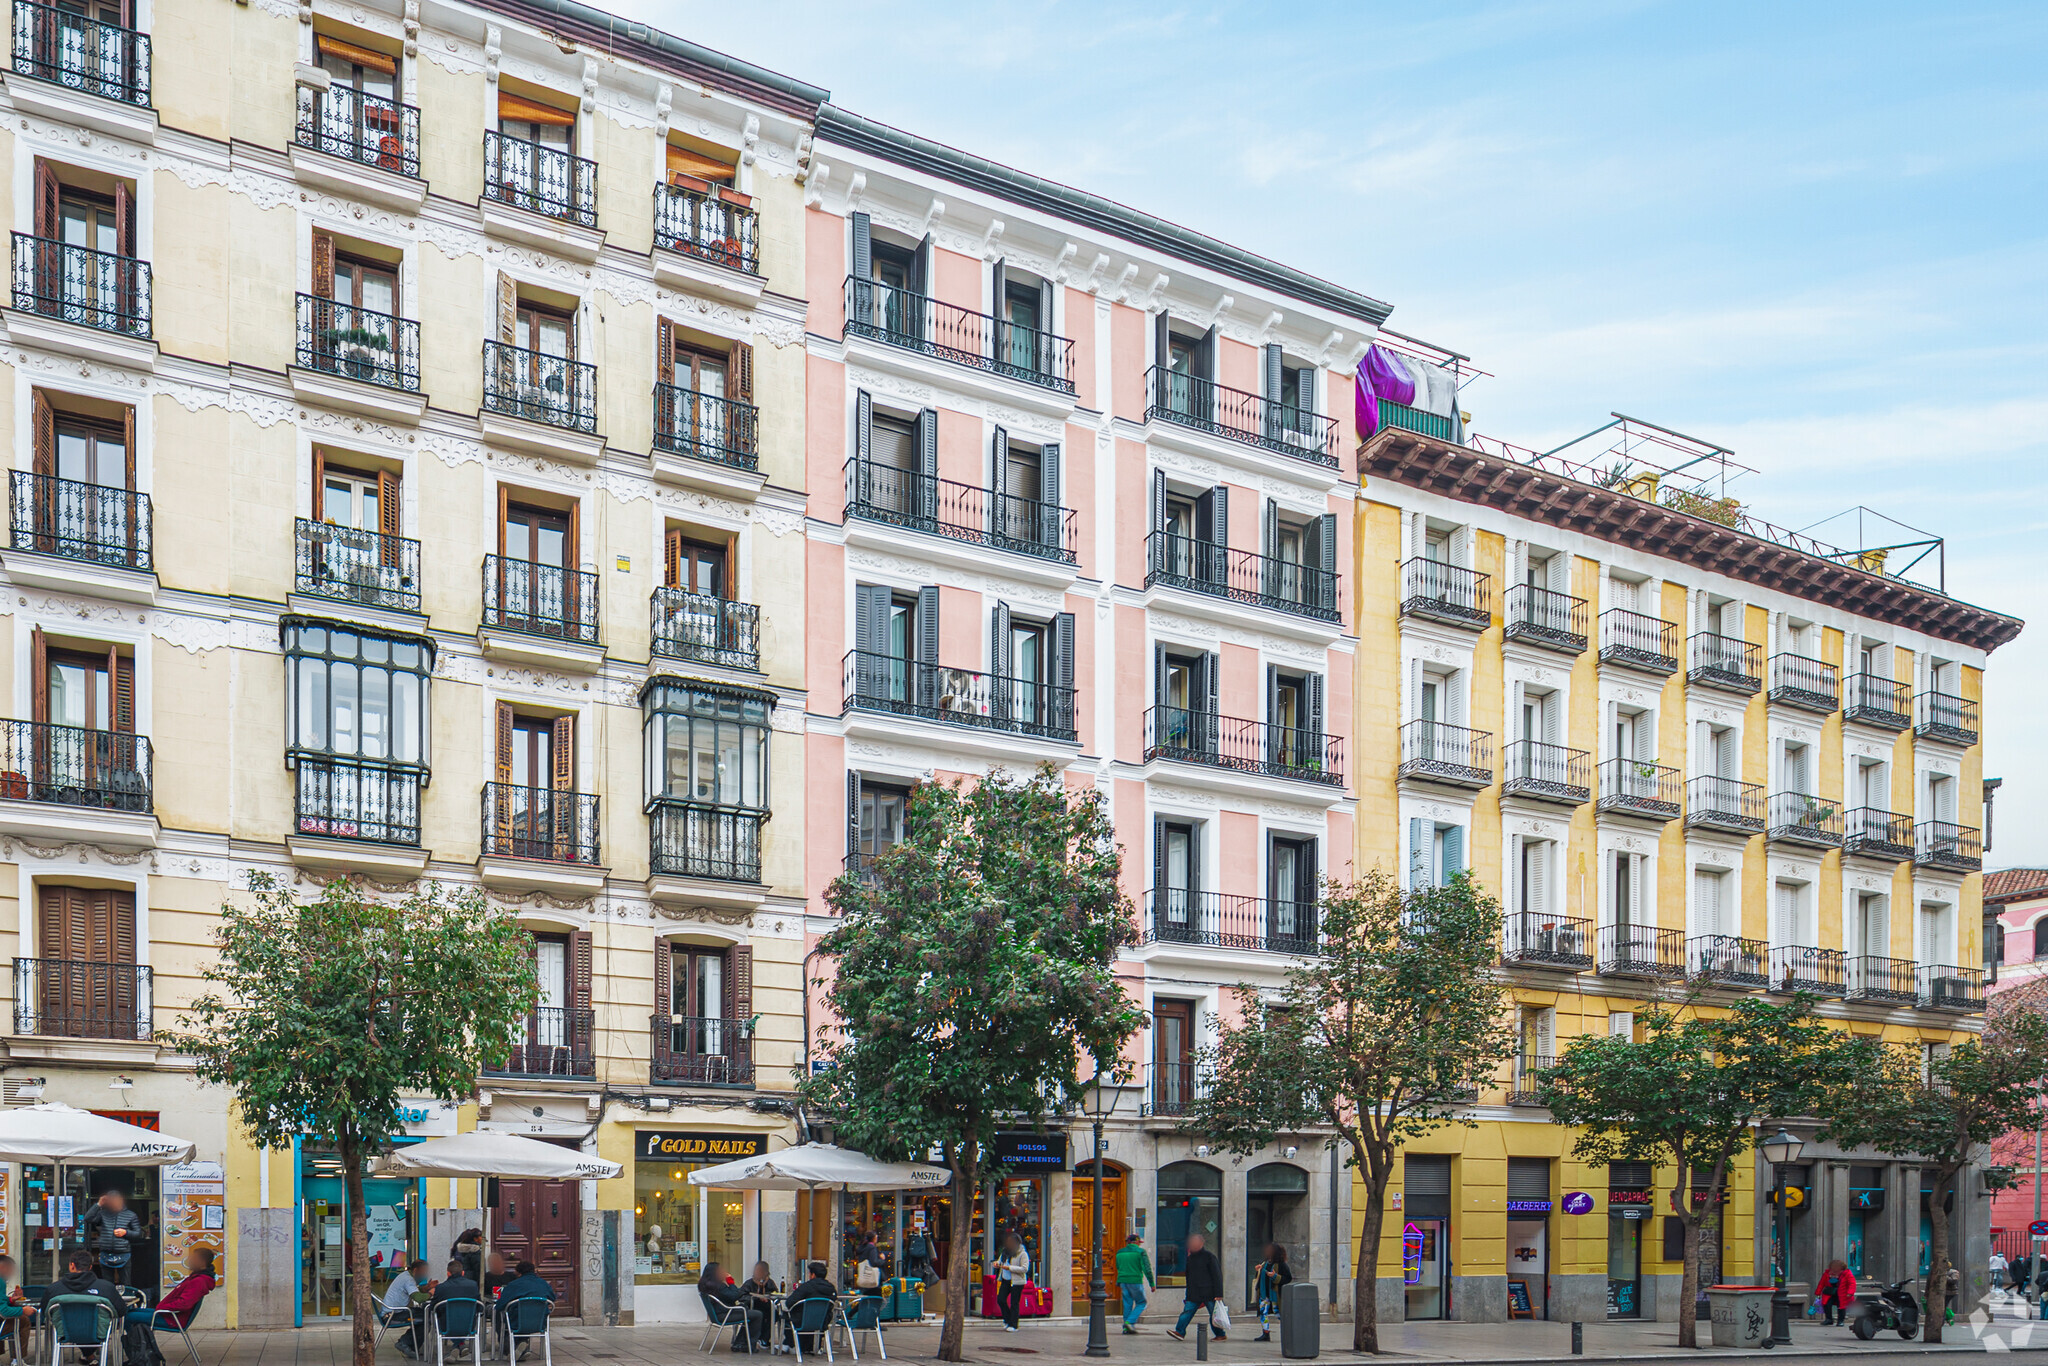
x,y
1937,1260
363,1329
1689,1283
966,1182
1365,1284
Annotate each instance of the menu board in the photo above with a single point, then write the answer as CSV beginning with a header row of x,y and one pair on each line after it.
x,y
194,1213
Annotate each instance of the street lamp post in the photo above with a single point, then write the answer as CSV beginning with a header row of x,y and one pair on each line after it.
x,y
1102,1098
1779,1149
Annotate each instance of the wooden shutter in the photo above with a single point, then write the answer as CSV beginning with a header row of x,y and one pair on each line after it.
x,y
45,435
664,1001
128,458
672,558
664,351
564,747
504,732
1159,677
46,201
124,218
508,309
740,982
121,676
1454,851
863,248
60,932
320,488
323,266
579,971
742,372
390,516
572,551
852,817
39,680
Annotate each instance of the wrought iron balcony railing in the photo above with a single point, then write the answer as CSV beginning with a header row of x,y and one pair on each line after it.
x,y
1641,951
707,227
1801,818
64,46
1638,787
1555,773
1526,1086
703,1050
1638,641
1447,593
1878,834
106,770
916,322
1556,621
706,629
357,799
540,599
555,1042
96,289
367,568
1190,735
1725,662
79,521
696,839
960,512
1871,978
540,823
1943,986
358,343
1877,701
1174,1087
1944,716
1809,684
1235,415
355,125
1547,941
723,431
1728,959
1944,844
1176,561
539,387
1177,915
1446,754
1725,804
1802,967
70,998
957,697
542,180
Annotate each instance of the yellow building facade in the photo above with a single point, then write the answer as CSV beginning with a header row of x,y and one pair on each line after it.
x,y
1693,761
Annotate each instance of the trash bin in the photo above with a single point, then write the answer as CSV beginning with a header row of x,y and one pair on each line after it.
x,y
1741,1315
1301,1321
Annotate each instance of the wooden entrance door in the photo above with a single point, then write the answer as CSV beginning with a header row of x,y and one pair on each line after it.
x,y
1114,1208
539,1221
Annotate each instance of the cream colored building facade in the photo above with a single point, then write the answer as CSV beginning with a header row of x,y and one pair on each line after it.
x,y
408,487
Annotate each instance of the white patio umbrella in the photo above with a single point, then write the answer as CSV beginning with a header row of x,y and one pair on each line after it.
x,y
481,1155
815,1167
52,1135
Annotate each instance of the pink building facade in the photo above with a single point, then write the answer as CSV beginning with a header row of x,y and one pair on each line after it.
x,y
2015,955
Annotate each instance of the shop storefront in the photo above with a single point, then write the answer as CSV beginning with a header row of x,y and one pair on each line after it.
x,y
1426,1236
1020,1203
1276,1211
1866,1222
680,1227
1190,1201
1628,1212
55,1216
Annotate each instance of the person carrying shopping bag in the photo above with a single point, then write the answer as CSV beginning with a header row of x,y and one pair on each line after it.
x,y
1013,1271
1133,1275
1266,1283
1204,1291
1836,1291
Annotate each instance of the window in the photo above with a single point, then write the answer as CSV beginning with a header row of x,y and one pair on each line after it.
x,y
1941,798
1720,753
1870,933
705,745
1291,892
1790,923
704,996
1176,880
1633,735
699,371
539,124
1712,909
358,69
90,452
1627,887
2040,932
878,825
1436,852
1797,774
1534,859
1936,938
1873,786
357,693
1536,1038
534,810
1173,1057
695,566
85,983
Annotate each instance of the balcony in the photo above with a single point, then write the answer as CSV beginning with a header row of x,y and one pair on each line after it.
x,y
90,524
1800,818
956,697
1555,621
706,227
1177,915
357,359
1637,787
1947,987
705,629
82,70
556,1042
702,1050
1946,845
1434,752
68,998
1635,641
698,840
364,568
1889,980
1875,701
1725,663
1448,593
1526,1087
1191,736
1642,951
1801,967
1945,717
541,196
1172,1088
540,613
540,403
959,512
1728,960
1547,941
1437,425
362,146
1549,773
913,322
364,800
103,770
1175,561
86,303
1725,804
540,823
1808,684
1235,415
1878,834
717,431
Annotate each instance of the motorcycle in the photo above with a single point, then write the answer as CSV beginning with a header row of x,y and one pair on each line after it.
x,y
1894,1308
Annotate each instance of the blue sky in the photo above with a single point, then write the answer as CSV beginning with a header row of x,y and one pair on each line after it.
x,y
1811,232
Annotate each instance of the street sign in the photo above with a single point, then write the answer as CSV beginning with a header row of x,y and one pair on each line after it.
x,y
1578,1202
2038,1229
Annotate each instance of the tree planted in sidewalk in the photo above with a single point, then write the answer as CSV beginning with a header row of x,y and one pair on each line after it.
x,y
323,1014
1383,1034
971,973
1690,1093
1944,1110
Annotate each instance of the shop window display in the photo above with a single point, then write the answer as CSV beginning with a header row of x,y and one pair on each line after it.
x,y
680,1226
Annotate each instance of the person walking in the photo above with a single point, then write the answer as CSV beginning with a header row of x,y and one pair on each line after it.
x,y
1204,1290
1837,1293
1013,1271
1998,1270
1133,1275
1266,1283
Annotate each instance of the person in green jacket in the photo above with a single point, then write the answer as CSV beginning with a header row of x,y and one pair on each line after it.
x,y
1133,1274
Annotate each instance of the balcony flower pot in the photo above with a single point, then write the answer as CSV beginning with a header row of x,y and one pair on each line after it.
x,y
735,198
691,183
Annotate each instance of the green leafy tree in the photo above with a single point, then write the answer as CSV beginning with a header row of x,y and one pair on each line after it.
x,y
1382,1035
323,1014
971,973
1690,1094
1944,1111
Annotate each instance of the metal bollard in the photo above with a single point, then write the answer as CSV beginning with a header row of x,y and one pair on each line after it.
x,y
1578,1339
1201,1341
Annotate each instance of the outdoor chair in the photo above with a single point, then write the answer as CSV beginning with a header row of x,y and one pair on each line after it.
x,y
867,1318
815,1317
83,1324
527,1318
164,1321
458,1321
388,1319
719,1316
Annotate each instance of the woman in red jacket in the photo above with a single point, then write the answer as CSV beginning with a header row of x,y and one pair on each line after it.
x,y
1837,1292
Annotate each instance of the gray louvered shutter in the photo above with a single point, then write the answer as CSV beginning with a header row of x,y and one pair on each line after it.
x,y
1326,555
1000,521
927,688
1529,1177
852,818
1272,582
1212,726
861,300
1162,556
1272,378
863,445
1315,717
1050,507
928,464
1002,662
1454,850
1218,550
1425,1175
921,271
1063,672
871,604
1419,833
997,289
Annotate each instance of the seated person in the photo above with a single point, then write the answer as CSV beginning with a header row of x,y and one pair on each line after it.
x,y
760,1287
521,1318
80,1278
180,1305
496,1276
458,1286
721,1294
397,1305
17,1315
815,1288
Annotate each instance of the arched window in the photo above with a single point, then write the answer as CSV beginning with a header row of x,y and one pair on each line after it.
x,y
1190,1202
2040,929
